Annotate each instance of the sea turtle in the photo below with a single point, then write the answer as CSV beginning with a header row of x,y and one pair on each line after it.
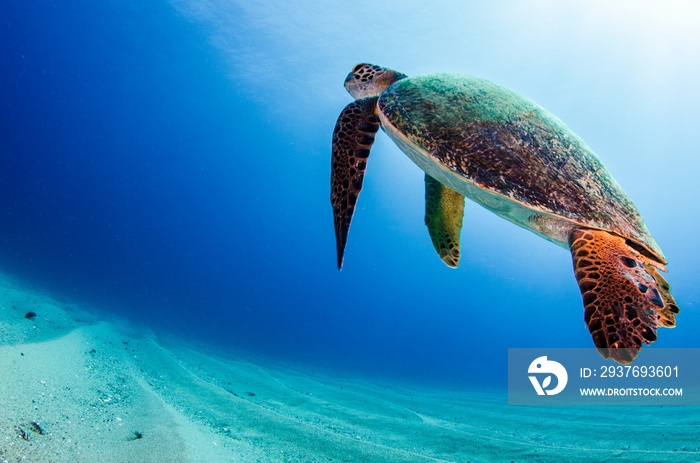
x,y
477,139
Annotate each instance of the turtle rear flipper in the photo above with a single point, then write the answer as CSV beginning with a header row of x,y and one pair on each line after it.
x,y
667,316
352,139
624,299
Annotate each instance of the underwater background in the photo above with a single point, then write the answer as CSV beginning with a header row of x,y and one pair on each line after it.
x,y
169,162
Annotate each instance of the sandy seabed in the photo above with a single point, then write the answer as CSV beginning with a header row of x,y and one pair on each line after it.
x,y
77,388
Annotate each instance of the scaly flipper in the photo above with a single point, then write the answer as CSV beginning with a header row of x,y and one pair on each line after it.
x,y
624,296
444,210
667,316
352,139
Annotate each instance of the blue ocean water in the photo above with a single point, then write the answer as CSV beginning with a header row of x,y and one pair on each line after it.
x,y
170,162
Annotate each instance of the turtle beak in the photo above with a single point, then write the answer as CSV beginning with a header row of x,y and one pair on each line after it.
x,y
350,85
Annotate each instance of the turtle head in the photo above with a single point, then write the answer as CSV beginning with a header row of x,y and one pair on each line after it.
x,y
367,80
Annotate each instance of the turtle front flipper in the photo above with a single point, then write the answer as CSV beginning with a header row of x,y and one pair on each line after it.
x,y
624,297
444,210
352,139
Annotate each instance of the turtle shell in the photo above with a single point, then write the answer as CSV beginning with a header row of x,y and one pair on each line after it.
x,y
510,155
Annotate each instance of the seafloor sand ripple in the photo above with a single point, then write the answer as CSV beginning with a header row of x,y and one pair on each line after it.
x,y
75,389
